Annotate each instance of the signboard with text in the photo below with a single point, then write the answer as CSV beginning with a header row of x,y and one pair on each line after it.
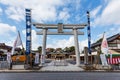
x,y
115,60
28,31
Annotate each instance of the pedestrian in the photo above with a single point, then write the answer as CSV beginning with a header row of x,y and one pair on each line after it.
x,y
9,59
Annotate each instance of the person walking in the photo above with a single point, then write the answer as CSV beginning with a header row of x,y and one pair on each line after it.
x,y
9,59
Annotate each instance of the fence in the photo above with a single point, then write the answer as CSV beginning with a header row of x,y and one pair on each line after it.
x,y
4,65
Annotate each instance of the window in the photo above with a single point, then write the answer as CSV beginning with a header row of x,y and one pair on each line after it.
x,y
112,45
119,46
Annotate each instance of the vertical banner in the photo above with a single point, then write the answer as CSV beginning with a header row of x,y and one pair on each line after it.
x,y
103,60
89,33
104,45
28,31
37,58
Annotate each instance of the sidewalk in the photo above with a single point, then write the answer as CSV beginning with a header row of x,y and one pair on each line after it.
x,y
68,67
60,66
51,67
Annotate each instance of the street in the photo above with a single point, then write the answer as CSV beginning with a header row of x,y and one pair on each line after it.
x,y
60,76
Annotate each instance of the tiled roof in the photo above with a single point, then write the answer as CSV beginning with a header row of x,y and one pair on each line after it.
x,y
2,44
8,47
108,39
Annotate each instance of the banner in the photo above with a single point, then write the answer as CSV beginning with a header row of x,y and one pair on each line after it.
x,y
42,59
115,60
17,42
28,31
89,33
104,45
37,58
103,59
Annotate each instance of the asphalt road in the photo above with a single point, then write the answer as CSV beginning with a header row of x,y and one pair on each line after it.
x,y
61,76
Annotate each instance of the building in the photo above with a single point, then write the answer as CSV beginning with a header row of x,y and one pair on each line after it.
x,y
114,48
113,43
4,48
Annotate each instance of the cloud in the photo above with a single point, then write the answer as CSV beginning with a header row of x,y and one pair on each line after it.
x,y
43,14
110,32
83,43
36,40
64,15
1,11
113,30
15,13
6,33
42,10
61,43
6,29
110,14
95,11
67,43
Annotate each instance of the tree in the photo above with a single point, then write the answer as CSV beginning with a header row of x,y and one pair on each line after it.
x,y
58,49
40,49
72,48
52,49
66,49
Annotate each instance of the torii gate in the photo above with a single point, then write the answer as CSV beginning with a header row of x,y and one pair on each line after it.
x,y
60,27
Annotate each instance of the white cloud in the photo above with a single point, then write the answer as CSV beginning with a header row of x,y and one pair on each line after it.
x,y
67,43
64,15
15,13
6,34
111,31
95,11
110,15
43,14
36,40
5,29
42,10
114,30
83,43
61,43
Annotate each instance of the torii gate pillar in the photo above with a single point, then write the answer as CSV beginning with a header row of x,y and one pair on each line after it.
x,y
43,47
76,47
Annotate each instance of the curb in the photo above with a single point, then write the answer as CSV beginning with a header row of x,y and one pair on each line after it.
x,y
39,71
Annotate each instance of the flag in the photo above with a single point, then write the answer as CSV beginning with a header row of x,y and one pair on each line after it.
x,y
17,42
104,45
110,57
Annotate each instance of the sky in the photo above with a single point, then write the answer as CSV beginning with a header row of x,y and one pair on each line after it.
x,y
104,17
